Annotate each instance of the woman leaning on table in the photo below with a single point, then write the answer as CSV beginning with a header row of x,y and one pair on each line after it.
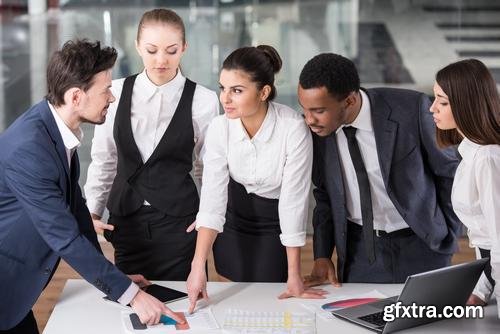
x,y
467,112
142,156
256,180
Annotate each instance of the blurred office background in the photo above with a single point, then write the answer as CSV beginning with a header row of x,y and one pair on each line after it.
x,y
397,43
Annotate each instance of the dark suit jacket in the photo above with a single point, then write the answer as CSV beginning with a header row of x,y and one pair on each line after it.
x,y
417,175
43,217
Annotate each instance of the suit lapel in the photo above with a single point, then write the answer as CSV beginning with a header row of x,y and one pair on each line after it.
x,y
50,124
385,131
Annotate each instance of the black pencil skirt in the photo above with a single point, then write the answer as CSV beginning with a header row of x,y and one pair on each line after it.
x,y
249,249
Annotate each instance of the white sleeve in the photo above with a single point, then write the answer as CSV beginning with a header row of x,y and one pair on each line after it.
x,y
488,182
295,186
213,199
483,288
102,168
205,109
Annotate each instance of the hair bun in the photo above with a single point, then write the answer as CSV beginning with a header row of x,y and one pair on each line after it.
x,y
273,56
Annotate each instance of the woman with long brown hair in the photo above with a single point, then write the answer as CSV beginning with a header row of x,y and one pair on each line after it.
x,y
467,112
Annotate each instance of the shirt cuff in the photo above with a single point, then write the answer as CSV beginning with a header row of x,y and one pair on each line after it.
x,y
293,239
129,294
483,288
209,220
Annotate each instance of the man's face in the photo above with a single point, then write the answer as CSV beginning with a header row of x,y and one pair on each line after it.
x,y
323,113
96,100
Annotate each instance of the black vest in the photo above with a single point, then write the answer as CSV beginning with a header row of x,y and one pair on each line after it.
x,y
163,180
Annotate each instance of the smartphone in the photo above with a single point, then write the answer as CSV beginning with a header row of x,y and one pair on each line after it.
x,y
163,294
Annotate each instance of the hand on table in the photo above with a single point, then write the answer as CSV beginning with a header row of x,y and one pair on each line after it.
x,y
475,300
323,272
295,288
196,287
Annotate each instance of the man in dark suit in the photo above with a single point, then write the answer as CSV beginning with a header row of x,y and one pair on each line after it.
x,y
382,186
43,216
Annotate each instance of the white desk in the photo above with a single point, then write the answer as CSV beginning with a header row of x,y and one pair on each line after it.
x,y
81,308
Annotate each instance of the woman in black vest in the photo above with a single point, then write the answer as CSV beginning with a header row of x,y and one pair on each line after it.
x,y
256,181
143,154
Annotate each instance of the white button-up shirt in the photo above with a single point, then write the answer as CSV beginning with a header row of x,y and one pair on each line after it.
x,y
152,110
476,201
70,139
275,163
385,215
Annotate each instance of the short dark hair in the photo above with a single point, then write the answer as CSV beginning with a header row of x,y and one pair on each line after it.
x,y
261,63
75,65
335,72
474,102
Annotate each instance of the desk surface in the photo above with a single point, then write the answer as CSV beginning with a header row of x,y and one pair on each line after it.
x,y
81,309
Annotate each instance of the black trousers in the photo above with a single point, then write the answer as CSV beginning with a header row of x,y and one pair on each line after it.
x,y
26,326
153,244
398,255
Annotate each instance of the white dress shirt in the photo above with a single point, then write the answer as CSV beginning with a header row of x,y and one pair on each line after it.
x,y
70,139
476,201
275,163
385,215
152,110
71,142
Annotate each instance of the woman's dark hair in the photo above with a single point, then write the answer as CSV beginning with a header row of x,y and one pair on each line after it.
x,y
76,65
164,16
261,63
474,102
335,72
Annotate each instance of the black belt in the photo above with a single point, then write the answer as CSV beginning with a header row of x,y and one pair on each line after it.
x,y
404,232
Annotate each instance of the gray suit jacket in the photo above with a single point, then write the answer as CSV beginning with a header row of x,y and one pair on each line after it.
x,y
418,176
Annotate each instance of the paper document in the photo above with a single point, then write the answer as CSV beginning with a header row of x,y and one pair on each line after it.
x,y
246,322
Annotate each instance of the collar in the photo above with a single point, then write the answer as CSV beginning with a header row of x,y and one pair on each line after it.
x,y
468,149
71,140
146,89
266,128
364,119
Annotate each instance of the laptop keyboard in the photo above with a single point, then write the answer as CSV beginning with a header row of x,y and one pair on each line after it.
x,y
376,319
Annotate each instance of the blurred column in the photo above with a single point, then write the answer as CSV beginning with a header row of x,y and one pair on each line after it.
x,y
36,7
38,57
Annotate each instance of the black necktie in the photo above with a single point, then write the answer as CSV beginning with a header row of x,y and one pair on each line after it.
x,y
73,179
364,191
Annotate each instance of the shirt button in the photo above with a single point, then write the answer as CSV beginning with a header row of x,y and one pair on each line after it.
x,y
47,271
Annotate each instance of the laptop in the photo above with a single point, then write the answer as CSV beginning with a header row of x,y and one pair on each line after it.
x,y
446,286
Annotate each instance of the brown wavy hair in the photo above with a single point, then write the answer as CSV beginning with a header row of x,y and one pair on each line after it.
x,y
76,65
474,102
